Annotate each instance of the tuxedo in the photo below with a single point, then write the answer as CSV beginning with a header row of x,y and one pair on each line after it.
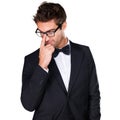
x,y
45,93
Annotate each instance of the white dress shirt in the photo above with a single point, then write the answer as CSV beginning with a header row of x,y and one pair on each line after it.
x,y
64,65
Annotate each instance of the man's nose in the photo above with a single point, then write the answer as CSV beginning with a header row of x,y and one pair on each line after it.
x,y
46,37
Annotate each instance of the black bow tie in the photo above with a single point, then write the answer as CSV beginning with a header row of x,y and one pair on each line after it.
x,y
65,50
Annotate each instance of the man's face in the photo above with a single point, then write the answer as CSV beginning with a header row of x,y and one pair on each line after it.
x,y
56,40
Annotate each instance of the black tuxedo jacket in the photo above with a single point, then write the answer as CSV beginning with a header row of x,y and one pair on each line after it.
x,y
46,93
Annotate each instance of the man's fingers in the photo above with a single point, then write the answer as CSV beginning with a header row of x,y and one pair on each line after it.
x,y
43,42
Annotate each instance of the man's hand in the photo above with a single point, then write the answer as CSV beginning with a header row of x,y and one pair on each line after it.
x,y
45,54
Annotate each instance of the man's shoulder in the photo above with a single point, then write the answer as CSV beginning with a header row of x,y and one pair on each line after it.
x,y
33,55
79,46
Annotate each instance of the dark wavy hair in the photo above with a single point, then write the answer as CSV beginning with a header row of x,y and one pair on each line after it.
x,y
48,11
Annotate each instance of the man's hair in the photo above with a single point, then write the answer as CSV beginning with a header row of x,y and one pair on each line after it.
x,y
48,11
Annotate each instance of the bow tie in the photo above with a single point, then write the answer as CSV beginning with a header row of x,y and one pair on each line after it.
x,y
65,50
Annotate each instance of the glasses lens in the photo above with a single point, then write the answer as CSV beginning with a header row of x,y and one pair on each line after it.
x,y
50,33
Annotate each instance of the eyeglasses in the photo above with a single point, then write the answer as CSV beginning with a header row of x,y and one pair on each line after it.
x,y
49,33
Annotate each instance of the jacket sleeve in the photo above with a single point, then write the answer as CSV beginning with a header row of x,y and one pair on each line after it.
x,y
33,85
94,93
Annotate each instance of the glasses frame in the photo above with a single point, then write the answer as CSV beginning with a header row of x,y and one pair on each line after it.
x,y
40,33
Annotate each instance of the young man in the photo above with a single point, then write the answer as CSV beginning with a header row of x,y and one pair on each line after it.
x,y
59,80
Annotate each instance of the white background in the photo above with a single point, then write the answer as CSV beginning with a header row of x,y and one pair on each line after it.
x,y
95,23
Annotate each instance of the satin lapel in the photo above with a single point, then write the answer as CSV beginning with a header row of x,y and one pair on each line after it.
x,y
76,58
56,73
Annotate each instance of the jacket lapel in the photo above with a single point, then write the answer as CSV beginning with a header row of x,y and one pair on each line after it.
x,y
54,71
76,58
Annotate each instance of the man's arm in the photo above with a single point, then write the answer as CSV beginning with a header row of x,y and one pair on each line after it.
x,y
94,93
33,85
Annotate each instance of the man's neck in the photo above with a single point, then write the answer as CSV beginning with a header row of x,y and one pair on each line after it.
x,y
64,43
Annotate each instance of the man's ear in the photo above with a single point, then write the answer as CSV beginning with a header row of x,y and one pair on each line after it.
x,y
64,25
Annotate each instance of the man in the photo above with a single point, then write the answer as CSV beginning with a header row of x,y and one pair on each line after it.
x,y
59,80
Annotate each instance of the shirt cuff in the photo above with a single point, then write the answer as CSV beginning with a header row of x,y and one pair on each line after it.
x,y
47,70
